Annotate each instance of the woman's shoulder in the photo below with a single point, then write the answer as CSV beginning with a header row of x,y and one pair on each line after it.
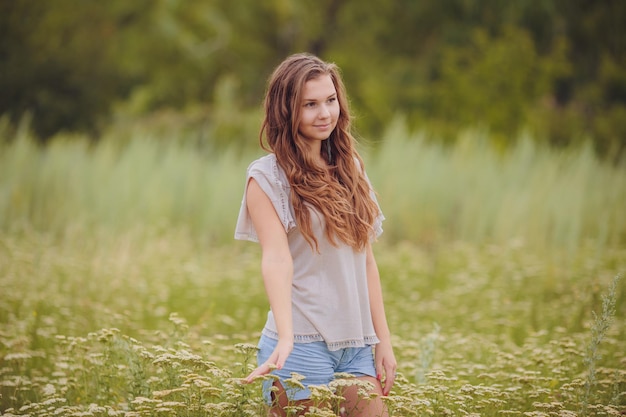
x,y
264,163
267,166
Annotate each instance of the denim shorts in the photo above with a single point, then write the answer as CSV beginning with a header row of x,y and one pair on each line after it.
x,y
316,363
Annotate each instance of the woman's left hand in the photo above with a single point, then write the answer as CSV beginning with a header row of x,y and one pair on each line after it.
x,y
385,365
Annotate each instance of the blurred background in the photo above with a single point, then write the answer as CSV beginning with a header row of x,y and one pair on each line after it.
x,y
556,68
479,120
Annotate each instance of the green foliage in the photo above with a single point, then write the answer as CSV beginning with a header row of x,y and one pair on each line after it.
x,y
495,81
60,61
554,66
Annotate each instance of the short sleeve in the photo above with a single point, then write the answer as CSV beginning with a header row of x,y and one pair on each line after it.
x,y
273,182
378,221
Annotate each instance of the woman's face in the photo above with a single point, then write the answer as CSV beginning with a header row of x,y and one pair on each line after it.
x,y
320,109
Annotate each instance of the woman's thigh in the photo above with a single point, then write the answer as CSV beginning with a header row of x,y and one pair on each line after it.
x,y
356,405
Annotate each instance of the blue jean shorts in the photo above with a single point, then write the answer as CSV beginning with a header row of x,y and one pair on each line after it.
x,y
316,363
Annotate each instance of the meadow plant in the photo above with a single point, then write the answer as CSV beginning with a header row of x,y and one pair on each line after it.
x,y
80,356
470,191
120,296
427,351
599,329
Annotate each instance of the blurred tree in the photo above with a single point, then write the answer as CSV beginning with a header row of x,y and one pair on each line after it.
x,y
596,90
495,81
557,66
58,61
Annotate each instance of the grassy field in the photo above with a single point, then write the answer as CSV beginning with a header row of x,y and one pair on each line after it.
x,y
123,293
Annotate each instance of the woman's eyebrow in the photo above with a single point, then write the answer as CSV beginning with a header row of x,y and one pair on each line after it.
x,y
313,99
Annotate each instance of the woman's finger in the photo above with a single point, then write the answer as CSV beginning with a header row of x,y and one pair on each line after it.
x,y
390,377
281,359
260,371
379,369
276,361
280,354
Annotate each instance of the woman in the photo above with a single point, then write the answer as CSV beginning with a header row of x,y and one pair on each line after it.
x,y
311,207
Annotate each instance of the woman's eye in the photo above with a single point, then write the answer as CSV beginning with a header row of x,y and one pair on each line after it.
x,y
310,104
332,100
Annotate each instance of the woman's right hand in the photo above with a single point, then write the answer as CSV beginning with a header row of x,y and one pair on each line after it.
x,y
276,360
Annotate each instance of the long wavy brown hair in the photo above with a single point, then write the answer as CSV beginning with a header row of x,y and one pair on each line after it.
x,y
342,193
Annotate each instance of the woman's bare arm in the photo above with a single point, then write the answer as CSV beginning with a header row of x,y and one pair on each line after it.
x,y
385,359
277,271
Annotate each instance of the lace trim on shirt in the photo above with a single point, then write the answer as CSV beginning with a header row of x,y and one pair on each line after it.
x,y
343,344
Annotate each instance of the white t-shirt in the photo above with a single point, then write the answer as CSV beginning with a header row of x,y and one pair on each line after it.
x,y
330,299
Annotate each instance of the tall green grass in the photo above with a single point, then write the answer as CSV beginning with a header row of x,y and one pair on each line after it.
x,y
120,296
474,192
429,192
145,183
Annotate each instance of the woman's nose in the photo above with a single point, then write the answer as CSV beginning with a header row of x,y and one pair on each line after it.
x,y
324,112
